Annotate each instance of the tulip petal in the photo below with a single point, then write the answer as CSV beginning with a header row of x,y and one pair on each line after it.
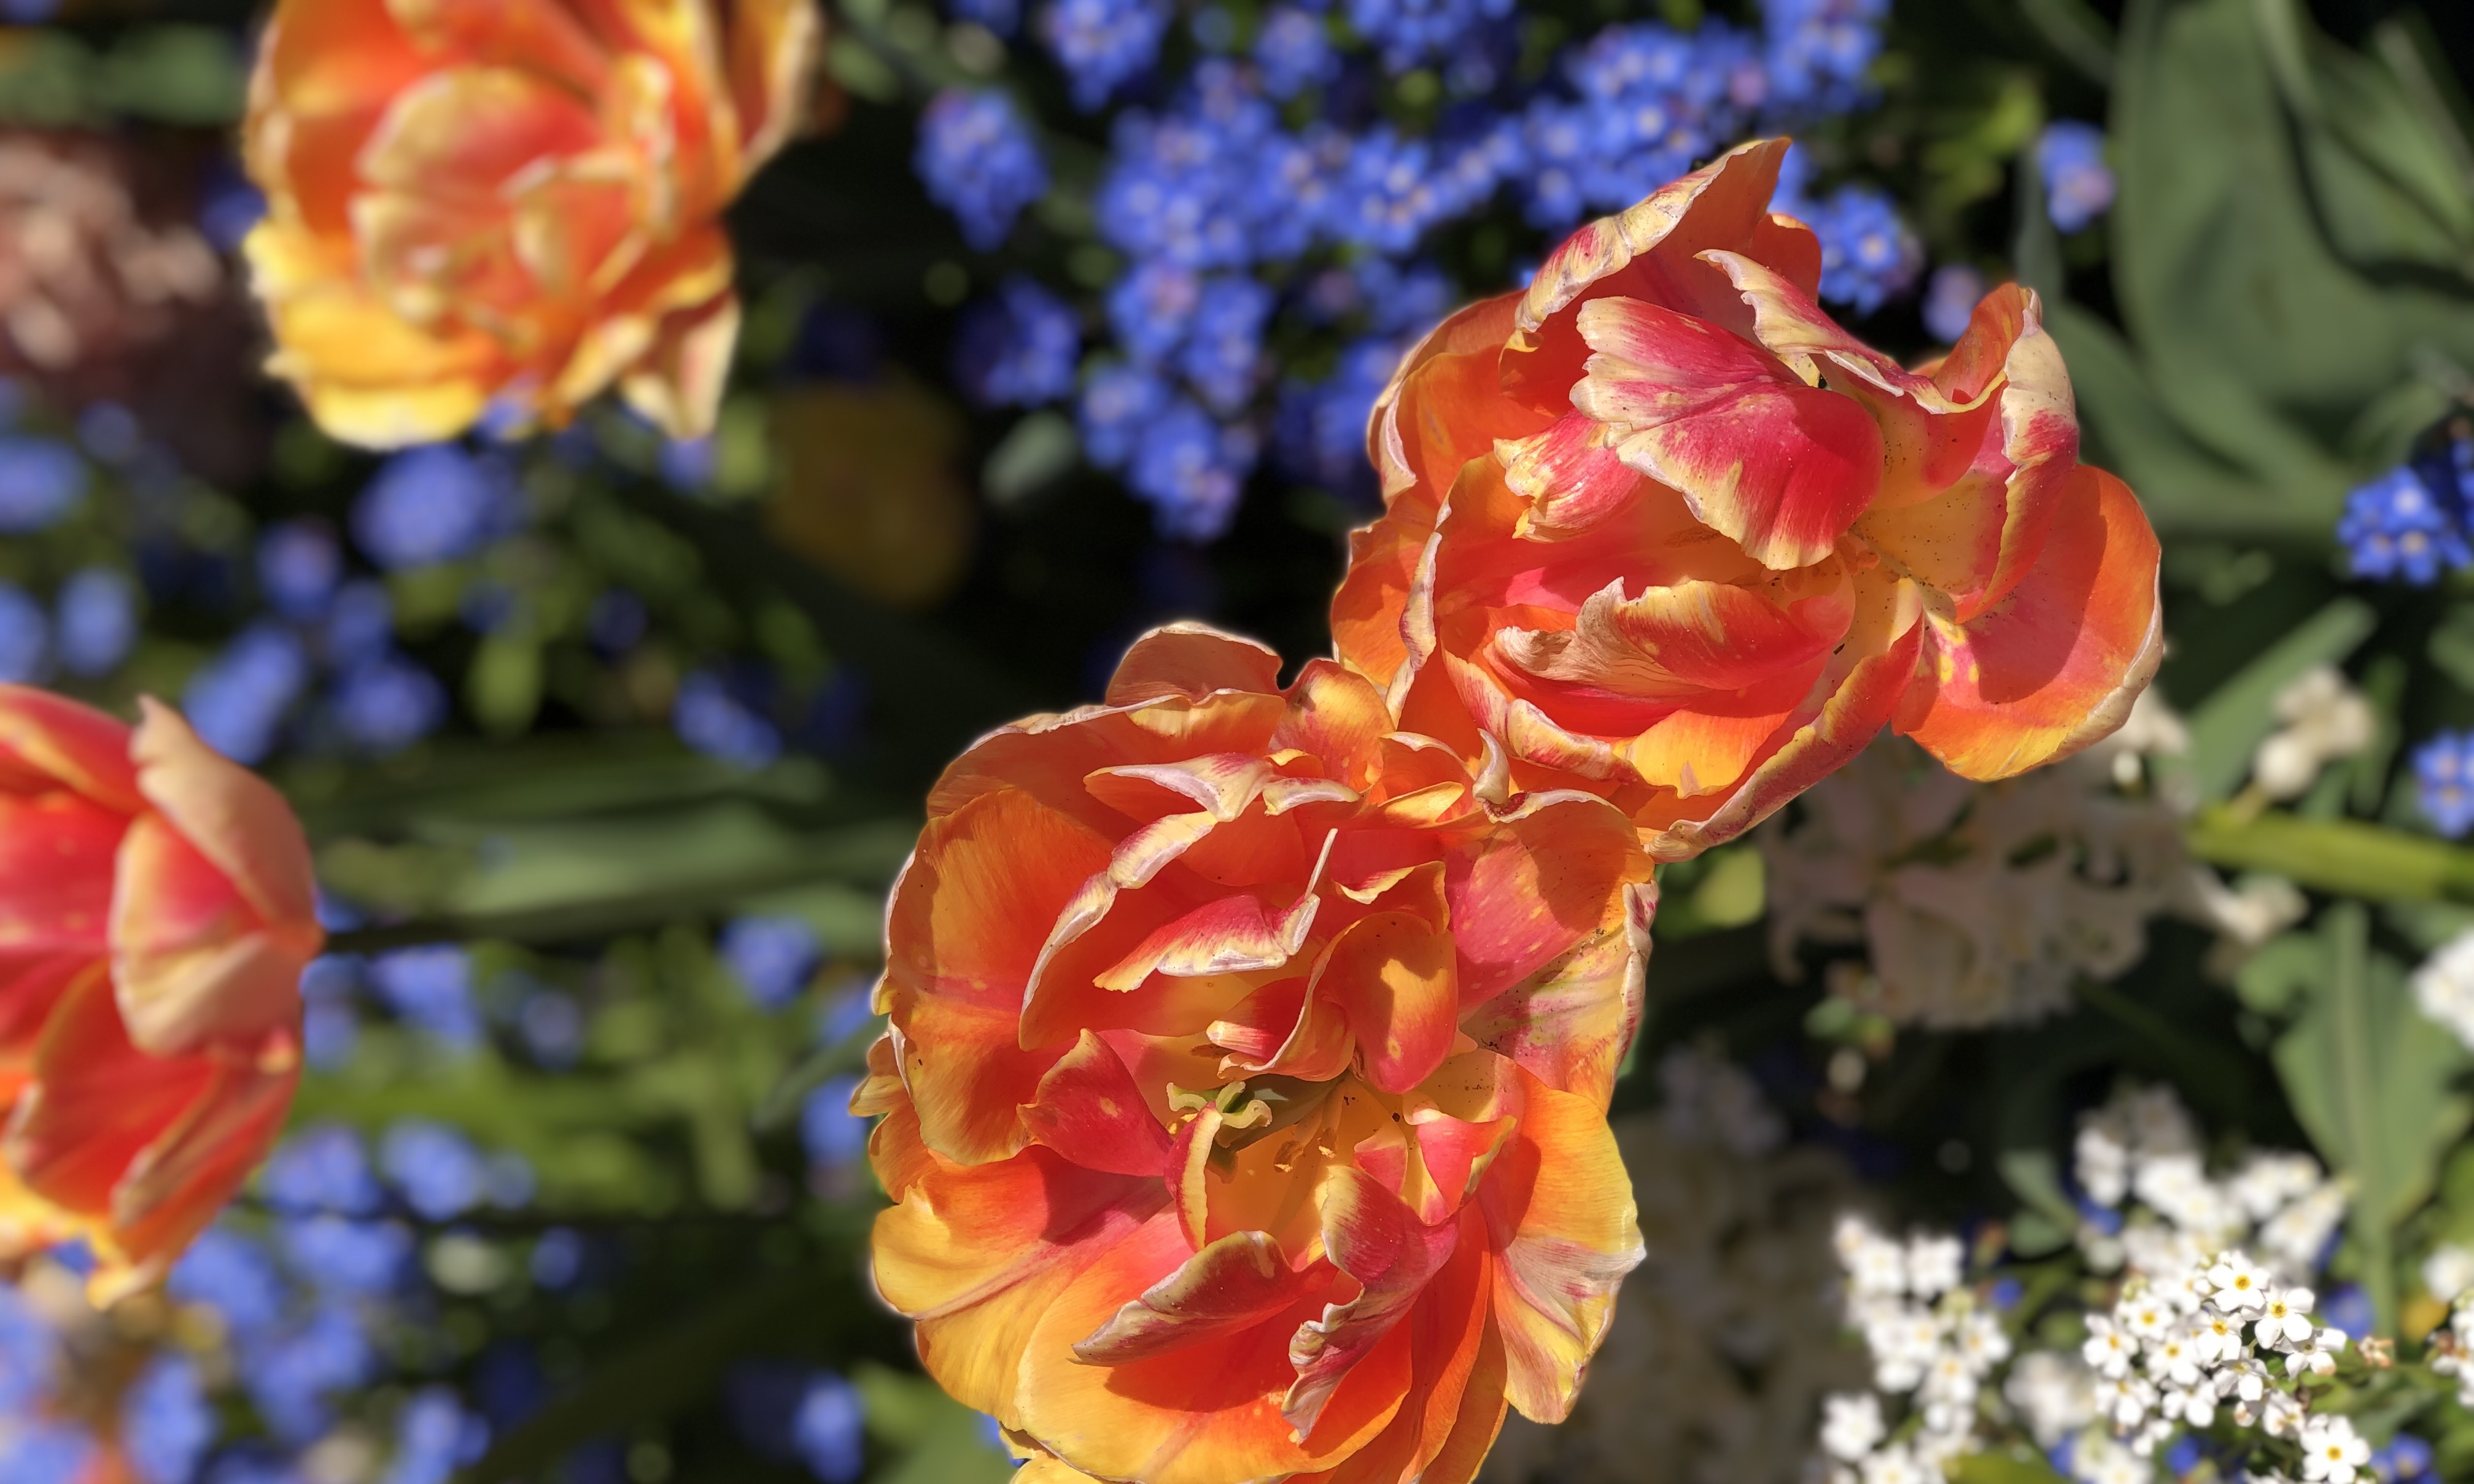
x,y
979,1255
773,48
1394,977
1378,1241
96,1103
1233,1283
1572,475
966,925
1559,1216
1089,1111
1569,1024
1780,467
48,740
1545,881
1193,660
2057,662
57,850
1204,1415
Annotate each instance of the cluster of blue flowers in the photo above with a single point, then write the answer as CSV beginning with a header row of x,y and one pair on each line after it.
x,y
1234,197
426,507
2444,776
89,625
2411,522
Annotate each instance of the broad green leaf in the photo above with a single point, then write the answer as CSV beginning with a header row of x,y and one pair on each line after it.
x,y
2183,486
503,688
2229,725
2260,338
2370,1080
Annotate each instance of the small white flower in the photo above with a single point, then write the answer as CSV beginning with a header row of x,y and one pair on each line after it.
x,y
2245,1380
2284,1318
2236,1285
1933,1265
2109,1349
1982,1340
1851,1424
2331,1450
2443,987
2216,1338
2195,1405
2124,1400
1874,1264
2315,1355
1893,1465
2174,1359
2144,1314
2448,1271
2054,1394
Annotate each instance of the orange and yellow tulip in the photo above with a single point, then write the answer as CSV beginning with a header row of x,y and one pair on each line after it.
x,y
1656,527
156,910
504,207
1246,1084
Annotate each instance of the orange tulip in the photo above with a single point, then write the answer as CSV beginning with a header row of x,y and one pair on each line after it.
x,y
506,205
1247,1080
1658,528
156,913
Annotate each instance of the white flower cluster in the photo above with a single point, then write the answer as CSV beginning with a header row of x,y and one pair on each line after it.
x,y
2453,1348
2200,1332
2223,1336
1931,1340
2143,1147
1978,904
2443,987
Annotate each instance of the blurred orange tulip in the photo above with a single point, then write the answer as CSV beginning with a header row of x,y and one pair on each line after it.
x,y
503,207
1247,1080
1658,528
157,911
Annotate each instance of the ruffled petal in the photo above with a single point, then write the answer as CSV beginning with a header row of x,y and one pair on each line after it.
x,y
2057,662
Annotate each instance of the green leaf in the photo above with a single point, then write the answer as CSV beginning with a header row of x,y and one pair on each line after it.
x,y
2369,1079
2004,1466
2183,486
188,75
2229,725
503,688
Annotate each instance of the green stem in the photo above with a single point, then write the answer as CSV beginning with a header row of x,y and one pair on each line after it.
x,y
2345,857
2350,1027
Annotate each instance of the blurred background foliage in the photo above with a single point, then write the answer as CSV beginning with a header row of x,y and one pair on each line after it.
x,y
1062,323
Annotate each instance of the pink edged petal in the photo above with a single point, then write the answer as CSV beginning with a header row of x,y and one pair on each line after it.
x,y
1224,936
1394,977
2039,439
1682,641
191,962
1569,1024
1651,251
1233,1283
978,1255
1371,1236
1780,467
1570,474
2057,662
48,740
234,818
1547,878
1285,1029
1089,1111
1190,660
1864,686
